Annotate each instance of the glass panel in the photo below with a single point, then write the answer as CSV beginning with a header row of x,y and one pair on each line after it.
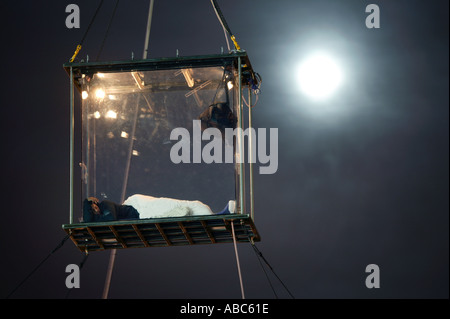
x,y
127,121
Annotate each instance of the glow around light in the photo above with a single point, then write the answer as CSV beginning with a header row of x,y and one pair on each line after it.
x,y
111,114
319,76
100,93
84,95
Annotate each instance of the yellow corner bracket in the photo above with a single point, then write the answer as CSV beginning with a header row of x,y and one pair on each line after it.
x,y
76,53
236,45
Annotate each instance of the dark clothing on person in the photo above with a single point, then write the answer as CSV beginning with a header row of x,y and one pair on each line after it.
x,y
109,211
218,115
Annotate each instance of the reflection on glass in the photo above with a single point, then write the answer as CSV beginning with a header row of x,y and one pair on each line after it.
x,y
127,123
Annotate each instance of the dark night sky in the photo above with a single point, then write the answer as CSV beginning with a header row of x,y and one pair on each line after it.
x,y
363,178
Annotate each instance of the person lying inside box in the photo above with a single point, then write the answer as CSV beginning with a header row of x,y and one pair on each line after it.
x,y
105,211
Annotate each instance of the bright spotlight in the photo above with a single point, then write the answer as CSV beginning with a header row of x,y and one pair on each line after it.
x,y
319,76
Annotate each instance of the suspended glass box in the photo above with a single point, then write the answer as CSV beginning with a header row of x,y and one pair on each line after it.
x,y
158,127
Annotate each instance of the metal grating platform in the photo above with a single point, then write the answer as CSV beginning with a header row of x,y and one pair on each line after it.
x,y
162,232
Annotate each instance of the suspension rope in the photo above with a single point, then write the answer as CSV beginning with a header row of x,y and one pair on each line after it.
x,y
107,30
224,24
237,260
224,30
85,257
267,277
39,265
260,255
77,50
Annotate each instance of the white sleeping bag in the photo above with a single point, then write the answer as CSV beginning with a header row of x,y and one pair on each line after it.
x,y
157,207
